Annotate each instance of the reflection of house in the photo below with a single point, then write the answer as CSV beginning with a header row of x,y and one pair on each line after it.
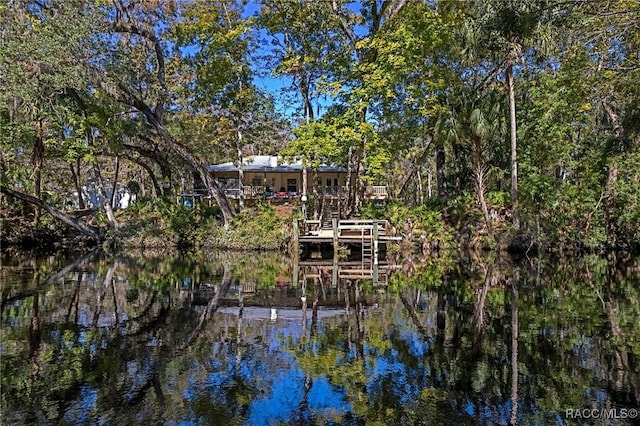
x,y
269,176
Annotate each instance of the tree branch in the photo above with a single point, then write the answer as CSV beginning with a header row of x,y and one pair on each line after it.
x,y
85,229
348,31
130,28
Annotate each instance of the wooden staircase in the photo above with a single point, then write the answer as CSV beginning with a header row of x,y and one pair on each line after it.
x,y
367,247
330,210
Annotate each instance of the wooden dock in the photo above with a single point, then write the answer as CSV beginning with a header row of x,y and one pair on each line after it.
x,y
369,236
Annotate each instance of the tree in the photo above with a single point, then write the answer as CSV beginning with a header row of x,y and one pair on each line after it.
x,y
302,45
508,29
41,61
479,123
355,81
413,79
578,116
220,76
138,52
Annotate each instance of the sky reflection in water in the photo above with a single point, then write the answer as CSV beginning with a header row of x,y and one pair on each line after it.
x,y
144,347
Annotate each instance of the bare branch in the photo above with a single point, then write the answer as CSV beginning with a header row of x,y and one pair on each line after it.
x,y
348,31
130,28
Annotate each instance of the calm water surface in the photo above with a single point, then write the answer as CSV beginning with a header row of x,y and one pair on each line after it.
x,y
225,339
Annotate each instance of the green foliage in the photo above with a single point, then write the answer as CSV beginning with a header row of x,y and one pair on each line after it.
x,y
317,143
422,222
220,61
380,87
428,242
253,229
622,207
162,223
498,198
461,209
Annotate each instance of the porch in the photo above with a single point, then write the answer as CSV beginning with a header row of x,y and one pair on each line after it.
x,y
261,192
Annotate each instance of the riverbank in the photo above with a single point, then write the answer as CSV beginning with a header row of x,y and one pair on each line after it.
x,y
432,230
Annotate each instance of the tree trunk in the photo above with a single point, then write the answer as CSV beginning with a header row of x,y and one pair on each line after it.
x,y
457,183
308,115
419,197
154,180
113,222
185,153
440,173
349,186
154,155
359,193
480,180
306,98
112,200
76,182
143,186
514,156
316,195
37,161
90,139
88,230
240,172
304,178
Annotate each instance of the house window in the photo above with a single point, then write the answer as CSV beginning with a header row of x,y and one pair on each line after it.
x,y
292,185
256,181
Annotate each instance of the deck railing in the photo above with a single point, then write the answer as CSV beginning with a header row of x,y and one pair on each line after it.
x,y
251,191
376,191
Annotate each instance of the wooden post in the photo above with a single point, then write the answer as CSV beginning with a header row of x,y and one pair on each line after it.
x,y
296,270
374,235
334,275
304,177
296,237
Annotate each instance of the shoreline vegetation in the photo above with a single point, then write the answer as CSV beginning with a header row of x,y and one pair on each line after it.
x,y
436,229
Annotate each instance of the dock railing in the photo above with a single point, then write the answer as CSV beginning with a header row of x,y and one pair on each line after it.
x,y
344,229
312,227
353,227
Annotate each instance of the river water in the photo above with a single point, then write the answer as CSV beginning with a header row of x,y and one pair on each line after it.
x,y
225,339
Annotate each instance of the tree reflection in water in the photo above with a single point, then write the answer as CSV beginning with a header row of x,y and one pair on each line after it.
x,y
190,339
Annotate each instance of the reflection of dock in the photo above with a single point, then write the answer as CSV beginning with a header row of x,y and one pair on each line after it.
x,y
322,269
280,313
353,270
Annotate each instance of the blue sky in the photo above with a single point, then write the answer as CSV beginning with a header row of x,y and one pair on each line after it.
x,y
290,105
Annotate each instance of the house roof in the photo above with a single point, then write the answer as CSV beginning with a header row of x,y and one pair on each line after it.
x,y
269,163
